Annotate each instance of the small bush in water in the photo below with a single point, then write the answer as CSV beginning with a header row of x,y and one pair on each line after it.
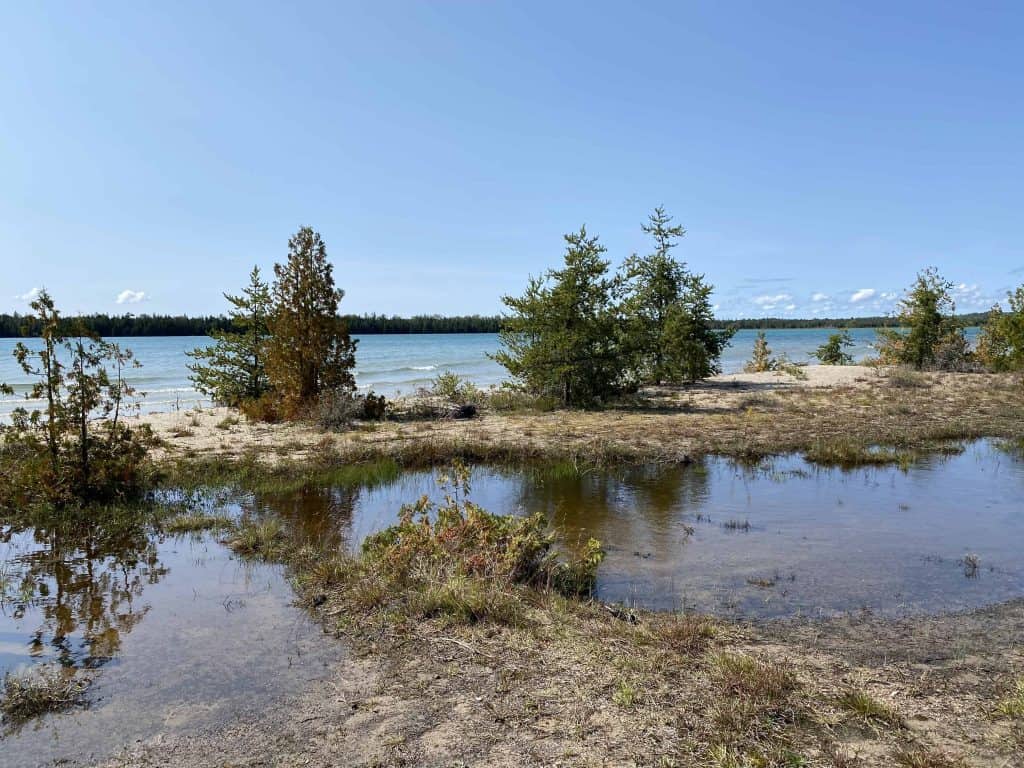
x,y
458,547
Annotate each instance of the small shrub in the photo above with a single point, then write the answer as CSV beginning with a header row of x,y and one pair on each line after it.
x,y
38,690
265,408
456,389
761,359
336,409
374,406
1001,344
625,694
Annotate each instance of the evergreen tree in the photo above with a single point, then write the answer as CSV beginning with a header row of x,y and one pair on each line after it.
x,y
667,315
560,339
833,351
233,369
930,336
310,350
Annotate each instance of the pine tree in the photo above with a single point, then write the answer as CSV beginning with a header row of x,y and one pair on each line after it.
x,y
833,351
667,313
310,350
560,340
233,370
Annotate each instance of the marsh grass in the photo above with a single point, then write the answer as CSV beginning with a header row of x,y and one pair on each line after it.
x,y
38,690
746,676
262,539
193,522
868,709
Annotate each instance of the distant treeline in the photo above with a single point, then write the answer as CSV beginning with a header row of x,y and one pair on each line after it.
x,y
180,325
765,323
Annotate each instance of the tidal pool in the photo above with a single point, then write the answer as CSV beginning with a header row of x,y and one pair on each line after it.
x,y
782,538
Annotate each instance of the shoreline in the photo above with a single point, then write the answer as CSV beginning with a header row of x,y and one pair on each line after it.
x,y
837,414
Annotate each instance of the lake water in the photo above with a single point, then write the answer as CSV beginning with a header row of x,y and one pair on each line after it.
x,y
391,364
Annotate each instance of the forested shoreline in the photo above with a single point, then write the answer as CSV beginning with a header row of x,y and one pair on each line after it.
x,y
14,326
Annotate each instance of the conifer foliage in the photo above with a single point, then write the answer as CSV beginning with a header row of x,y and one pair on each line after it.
x,y
233,369
310,350
580,335
560,340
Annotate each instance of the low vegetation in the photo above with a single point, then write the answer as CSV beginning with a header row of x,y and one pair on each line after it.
x,y
193,522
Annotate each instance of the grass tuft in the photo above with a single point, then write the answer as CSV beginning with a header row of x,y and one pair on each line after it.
x,y
192,522
38,690
1013,705
745,675
867,708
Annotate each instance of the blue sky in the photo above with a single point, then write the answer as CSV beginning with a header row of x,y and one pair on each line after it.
x,y
818,153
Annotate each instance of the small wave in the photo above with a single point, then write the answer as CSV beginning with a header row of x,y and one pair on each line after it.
x,y
422,367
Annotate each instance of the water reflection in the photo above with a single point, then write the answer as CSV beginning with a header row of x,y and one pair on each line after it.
x,y
76,583
773,539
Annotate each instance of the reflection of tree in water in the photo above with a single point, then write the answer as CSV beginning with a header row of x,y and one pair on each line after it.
x,y
321,516
622,507
82,576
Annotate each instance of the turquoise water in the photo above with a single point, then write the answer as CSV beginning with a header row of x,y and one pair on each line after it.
x,y
392,364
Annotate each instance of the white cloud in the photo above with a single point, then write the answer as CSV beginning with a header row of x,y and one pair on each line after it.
x,y
130,297
819,297
770,301
790,307
29,295
862,294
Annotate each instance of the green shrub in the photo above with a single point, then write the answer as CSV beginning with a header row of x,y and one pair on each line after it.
x,y
1001,344
761,359
456,389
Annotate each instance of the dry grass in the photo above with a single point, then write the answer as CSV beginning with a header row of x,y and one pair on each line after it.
x,y
39,690
869,421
